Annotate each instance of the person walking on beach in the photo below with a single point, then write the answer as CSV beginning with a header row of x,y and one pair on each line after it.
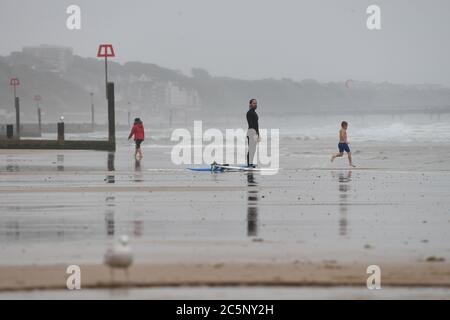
x,y
138,132
343,144
252,132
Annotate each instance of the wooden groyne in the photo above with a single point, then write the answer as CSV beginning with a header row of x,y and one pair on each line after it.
x,y
55,144
15,142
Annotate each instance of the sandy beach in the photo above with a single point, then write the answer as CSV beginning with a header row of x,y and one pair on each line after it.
x,y
232,150
315,223
297,274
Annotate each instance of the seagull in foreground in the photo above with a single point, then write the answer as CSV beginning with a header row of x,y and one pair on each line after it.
x,y
120,256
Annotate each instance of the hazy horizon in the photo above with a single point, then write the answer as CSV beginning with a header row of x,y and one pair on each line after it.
x,y
321,40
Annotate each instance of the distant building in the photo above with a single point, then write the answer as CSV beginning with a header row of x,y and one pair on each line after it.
x,y
180,97
55,58
159,95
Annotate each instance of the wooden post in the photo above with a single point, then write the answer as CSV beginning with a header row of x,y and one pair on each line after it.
x,y
39,122
106,75
92,112
111,157
9,131
17,106
111,114
61,132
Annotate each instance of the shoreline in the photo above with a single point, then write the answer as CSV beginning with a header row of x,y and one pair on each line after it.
x,y
327,274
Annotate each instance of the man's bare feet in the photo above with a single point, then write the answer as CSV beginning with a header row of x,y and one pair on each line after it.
x,y
352,165
332,158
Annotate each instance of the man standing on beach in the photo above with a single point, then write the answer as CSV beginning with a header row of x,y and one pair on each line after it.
x,y
252,132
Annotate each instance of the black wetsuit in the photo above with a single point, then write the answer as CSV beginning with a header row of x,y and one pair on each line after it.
x,y
252,135
252,120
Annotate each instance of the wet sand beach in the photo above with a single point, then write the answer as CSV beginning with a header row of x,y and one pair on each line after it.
x,y
314,223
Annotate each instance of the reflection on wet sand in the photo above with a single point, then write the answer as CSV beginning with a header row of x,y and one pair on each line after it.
x,y
110,178
11,165
12,230
252,206
60,162
138,228
138,225
344,180
29,229
109,215
138,177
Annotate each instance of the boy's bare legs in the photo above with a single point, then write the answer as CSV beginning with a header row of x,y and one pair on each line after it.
x,y
138,152
349,154
339,154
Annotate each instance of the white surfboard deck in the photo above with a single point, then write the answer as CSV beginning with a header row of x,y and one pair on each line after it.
x,y
237,168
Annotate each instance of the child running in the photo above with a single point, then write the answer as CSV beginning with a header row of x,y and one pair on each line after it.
x,y
343,144
138,132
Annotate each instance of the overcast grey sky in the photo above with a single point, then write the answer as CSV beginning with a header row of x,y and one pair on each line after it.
x,y
250,39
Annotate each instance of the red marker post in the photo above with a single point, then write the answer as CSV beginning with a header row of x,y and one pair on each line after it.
x,y
106,51
14,82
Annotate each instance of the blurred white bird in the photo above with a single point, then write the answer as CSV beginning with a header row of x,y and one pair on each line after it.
x,y
120,256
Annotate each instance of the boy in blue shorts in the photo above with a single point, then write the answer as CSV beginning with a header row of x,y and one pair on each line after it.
x,y
343,144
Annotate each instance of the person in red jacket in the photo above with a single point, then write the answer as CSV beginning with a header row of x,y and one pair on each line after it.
x,y
138,132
